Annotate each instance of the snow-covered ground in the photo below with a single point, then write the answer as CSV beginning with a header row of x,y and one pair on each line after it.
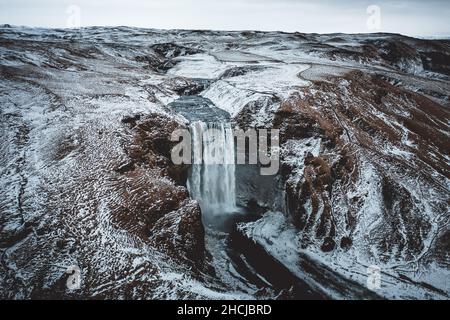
x,y
364,121
280,239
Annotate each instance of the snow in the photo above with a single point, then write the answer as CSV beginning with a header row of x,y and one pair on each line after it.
x,y
202,66
279,79
188,284
229,98
57,170
281,240
233,94
239,56
293,153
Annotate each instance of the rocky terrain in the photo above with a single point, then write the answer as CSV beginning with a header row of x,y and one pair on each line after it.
x,y
86,177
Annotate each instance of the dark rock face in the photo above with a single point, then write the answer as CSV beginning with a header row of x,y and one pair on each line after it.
x,y
399,208
87,180
239,71
294,125
186,87
245,118
163,56
159,210
399,54
437,61
354,139
172,50
181,234
346,243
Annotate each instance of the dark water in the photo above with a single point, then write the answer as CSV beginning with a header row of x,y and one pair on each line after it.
x,y
198,108
259,268
248,258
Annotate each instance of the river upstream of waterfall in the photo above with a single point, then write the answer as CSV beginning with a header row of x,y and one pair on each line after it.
x,y
238,262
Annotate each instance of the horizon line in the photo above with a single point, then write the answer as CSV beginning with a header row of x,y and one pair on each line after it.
x,y
442,36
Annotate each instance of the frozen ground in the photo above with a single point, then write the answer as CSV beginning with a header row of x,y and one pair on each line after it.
x,y
364,125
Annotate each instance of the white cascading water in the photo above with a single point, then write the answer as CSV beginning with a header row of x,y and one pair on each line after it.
x,y
212,176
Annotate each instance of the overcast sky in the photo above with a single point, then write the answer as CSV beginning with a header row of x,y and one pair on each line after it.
x,y
413,17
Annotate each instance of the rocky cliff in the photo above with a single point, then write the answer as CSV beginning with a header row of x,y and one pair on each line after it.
x,y
87,180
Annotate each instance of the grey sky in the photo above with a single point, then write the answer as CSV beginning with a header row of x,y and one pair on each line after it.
x,y
419,18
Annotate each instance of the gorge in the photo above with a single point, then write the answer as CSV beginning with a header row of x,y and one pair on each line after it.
x,y
87,178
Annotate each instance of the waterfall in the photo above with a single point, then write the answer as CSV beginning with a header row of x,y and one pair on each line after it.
x,y
212,175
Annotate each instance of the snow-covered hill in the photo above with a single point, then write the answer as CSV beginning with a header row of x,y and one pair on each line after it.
x,y
86,177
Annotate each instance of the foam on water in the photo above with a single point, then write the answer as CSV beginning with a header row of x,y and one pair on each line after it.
x,y
212,178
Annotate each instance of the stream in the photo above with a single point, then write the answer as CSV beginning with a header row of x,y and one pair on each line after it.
x,y
237,260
